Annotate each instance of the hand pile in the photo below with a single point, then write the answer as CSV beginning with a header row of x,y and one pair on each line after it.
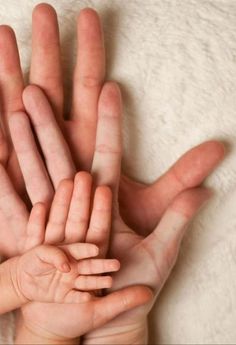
x,y
53,219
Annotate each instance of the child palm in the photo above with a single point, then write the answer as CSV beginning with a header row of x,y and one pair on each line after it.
x,y
52,274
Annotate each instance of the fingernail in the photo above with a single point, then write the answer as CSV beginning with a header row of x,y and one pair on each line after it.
x,y
115,265
94,250
66,267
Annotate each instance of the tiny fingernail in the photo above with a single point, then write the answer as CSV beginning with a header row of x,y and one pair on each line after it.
x,y
115,265
66,267
109,282
94,250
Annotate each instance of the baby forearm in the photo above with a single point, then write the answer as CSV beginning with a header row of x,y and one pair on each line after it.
x,y
10,296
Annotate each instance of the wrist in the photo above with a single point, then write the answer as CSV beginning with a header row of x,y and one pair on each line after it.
x,y
11,296
135,334
27,335
14,276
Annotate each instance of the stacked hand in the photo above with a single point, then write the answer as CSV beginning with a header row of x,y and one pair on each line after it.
x,y
59,274
52,274
148,222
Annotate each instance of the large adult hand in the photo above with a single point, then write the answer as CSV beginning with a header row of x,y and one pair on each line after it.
x,y
88,79
190,170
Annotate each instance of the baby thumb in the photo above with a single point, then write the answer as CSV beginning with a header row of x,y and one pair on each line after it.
x,y
54,256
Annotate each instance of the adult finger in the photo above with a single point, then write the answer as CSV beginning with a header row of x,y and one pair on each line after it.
x,y
37,182
108,148
13,215
55,149
90,68
110,306
45,69
164,242
11,87
11,79
10,203
189,171
4,150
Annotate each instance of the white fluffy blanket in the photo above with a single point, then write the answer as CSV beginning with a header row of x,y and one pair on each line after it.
x,y
176,62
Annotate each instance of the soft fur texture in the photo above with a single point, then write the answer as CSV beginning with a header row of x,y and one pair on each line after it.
x,y
176,62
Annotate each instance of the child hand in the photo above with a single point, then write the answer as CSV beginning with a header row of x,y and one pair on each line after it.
x,y
62,275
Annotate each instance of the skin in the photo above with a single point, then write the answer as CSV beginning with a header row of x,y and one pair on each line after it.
x,y
145,260
178,183
53,274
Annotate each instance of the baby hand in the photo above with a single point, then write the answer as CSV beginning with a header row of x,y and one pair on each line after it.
x,y
62,274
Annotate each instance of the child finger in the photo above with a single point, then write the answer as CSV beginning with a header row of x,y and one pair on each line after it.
x,y
98,266
36,226
54,256
100,222
75,296
81,250
78,216
89,283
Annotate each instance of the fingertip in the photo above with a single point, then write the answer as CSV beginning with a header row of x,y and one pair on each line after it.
x,y
104,191
110,100
85,297
83,177
115,265
103,198
43,10
88,13
6,30
7,37
139,295
111,89
65,185
109,282
93,249
217,147
39,210
30,91
147,294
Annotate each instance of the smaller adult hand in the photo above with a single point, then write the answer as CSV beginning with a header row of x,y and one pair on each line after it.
x,y
147,261
69,211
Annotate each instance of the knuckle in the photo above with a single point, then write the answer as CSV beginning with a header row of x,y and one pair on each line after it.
x,y
105,148
90,81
